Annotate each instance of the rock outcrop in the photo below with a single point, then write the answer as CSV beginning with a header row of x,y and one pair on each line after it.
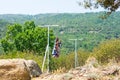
x,y
33,68
18,69
12,69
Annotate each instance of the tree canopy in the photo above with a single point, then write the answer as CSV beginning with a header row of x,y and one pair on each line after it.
x,y
110,5
27,37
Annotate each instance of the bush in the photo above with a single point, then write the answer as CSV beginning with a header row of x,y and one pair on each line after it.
x,y
82,57
68,61
107,50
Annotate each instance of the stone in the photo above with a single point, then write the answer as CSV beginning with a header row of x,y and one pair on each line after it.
x,y
13,69
33,68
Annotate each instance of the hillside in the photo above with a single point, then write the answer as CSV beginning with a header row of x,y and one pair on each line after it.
x,y
88,27
3,27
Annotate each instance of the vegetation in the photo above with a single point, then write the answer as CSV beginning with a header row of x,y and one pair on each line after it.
x,y
27,37
103,53
3,29
107,50
68,61
74,26
27,40
110,5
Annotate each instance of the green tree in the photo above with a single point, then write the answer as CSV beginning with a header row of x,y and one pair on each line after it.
x,y
26,37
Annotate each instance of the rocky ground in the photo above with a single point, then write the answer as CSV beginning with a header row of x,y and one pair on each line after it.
x,y
20,69
91,71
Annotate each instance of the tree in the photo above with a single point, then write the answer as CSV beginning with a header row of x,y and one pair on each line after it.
x,y
110,5
27,37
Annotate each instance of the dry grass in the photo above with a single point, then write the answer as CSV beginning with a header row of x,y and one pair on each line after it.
x,y
60,70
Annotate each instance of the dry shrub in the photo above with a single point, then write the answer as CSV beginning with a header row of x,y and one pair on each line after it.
x,y
68,61
107,50
60,70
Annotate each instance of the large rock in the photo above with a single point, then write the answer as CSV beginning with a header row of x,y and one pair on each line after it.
x,y
14,69
18,69
33,67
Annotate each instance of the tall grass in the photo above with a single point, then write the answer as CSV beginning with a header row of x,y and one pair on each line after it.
x,y
107,50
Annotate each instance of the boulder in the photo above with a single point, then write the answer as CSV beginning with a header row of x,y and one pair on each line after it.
x,y
14,69
18,69
33,68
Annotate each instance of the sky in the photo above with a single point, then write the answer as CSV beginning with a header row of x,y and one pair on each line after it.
x,y
41,6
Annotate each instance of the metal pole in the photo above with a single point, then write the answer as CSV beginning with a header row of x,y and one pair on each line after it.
x,y
44,58
48,49
76,56
48,46
75,53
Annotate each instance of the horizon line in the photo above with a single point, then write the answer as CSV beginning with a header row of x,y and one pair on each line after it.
x,y
50,13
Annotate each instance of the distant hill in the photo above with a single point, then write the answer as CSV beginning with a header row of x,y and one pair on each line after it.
x,y
88,27
3,27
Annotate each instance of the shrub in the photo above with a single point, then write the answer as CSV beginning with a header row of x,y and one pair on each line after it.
x,y
107,50
68,61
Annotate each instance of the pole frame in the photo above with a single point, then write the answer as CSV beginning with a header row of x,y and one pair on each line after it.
x,y
76,55
47,54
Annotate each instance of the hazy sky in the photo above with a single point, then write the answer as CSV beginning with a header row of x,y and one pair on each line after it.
x,y
40,6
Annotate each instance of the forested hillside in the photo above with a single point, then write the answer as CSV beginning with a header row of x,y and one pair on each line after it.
x,y
88,27
3,27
